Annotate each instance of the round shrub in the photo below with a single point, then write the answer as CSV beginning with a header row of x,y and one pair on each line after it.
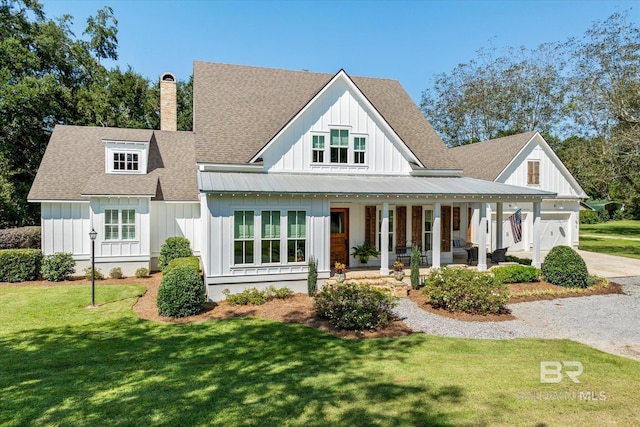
x,y
172,248
142,272
355,306
565,267
460,289
97,273
58,267
181,293
116,273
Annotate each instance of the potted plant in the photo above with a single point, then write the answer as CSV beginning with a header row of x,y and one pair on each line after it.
x,y
340,271
398,270
364,251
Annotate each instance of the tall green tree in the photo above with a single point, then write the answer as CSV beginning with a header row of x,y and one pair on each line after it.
x,y
496,96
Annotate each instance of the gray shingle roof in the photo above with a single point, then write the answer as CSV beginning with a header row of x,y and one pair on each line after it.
x,y
238,109
487,159
74,165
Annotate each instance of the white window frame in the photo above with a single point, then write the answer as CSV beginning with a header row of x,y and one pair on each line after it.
x,y
273,213
322,151
305,238
111,148
392,228
362,152
243,239
427,244
340,147
120,225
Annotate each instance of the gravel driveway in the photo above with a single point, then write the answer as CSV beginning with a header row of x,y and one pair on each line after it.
x,y
610,323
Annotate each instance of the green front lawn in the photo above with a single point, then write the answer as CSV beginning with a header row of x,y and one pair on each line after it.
x,y
620,247
626,228
64,364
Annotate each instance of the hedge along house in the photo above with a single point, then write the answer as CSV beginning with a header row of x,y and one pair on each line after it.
x,y
281,166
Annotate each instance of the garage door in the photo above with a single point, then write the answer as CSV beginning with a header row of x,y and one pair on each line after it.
x,y
555,230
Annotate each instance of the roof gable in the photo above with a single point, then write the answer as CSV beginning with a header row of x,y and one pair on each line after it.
x,y
239,109
73,165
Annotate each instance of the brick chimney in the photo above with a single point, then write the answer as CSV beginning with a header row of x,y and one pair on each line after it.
x,y
168,103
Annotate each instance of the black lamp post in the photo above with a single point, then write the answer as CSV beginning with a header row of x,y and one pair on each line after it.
x,y
93,234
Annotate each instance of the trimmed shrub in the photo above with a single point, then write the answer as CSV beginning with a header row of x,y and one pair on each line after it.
x,y
97,274
465,290
312,276
355,306
20,265
415,267
565,267
116,273
142,272
20,238
255,297
516,274
172,248
190,261
181,293
58,267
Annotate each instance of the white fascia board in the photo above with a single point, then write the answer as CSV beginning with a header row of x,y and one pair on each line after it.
x,y
131,196
437,172
56,201
226,167
342,75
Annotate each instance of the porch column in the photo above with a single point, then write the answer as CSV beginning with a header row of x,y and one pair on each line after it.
x,y
498,225
384,240
482,238
435,237
475,221
536,261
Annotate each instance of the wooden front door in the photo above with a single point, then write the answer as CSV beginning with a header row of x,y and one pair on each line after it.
x,y
339,236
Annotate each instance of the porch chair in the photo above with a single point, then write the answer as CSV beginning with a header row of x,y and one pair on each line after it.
x,y
499,255
403,254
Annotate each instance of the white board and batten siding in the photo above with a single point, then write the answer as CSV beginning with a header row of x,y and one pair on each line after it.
x,y
218,258
65,228
170,219
339,107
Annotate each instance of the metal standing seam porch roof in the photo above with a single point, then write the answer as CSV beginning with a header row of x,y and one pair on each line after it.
x,y
365,185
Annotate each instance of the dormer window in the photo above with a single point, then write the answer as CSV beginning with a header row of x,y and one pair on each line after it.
x,y
126,157
125,161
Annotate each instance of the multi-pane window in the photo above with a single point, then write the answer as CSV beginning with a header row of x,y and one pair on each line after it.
x,y
270,236
533,172
125,161
243,237
339,145
318,148
296,236
428,229
391,229
119,224
359,148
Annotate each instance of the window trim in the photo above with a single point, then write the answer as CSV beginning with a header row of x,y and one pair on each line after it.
x,y
111,148
322,151
120,225
357,151
533,172
244,240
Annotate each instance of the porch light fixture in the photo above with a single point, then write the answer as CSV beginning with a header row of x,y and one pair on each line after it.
x,y
93,234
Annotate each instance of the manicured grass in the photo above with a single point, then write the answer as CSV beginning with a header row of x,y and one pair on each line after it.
x,y
624,248
626,228
64,364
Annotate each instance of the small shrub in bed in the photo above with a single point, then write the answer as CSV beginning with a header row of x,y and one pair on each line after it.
x,y
181,292
142,272
189,261
173,247
255,297
116,273
97,274
355,306
565,267
19,265
516,274
58,267
465,290
523,261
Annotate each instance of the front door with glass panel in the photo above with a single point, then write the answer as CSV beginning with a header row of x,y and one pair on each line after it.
x,y
339,236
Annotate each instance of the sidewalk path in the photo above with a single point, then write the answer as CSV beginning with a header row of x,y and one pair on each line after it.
x,y
602,236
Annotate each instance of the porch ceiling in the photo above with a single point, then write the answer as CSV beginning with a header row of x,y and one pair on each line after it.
x,y
361,185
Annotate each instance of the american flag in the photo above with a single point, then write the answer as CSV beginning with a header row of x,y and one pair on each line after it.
x,y
516,225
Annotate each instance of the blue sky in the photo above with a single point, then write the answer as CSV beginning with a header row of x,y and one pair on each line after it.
x,y
409,41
